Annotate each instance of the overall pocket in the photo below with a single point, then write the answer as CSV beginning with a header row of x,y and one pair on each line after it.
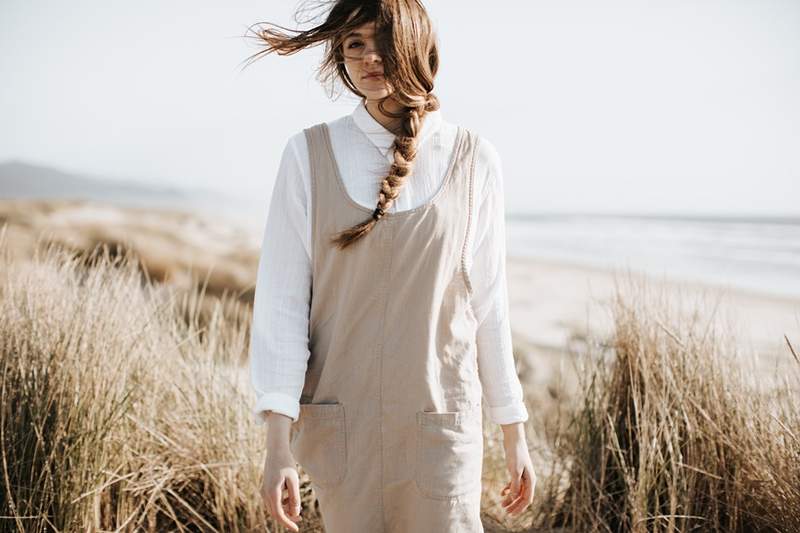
x,y
319,442
449,456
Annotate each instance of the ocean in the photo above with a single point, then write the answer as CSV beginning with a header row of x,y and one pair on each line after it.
x,y
752,253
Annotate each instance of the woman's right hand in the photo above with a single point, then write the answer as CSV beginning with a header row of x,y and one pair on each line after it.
x,y
280,488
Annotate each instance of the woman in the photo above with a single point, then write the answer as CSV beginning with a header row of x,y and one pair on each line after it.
x,y
381,293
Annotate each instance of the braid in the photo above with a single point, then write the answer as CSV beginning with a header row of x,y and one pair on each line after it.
x,y
405,151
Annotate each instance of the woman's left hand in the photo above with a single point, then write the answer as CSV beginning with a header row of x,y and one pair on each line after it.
x,y
518,492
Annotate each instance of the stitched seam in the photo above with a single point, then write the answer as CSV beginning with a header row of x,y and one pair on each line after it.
x,y
343,440
464,272
419,479
385,291
313,179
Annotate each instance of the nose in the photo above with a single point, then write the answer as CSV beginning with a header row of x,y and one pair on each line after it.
x,y
371,55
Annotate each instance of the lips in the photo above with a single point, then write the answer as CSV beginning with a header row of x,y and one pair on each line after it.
x,y
373,76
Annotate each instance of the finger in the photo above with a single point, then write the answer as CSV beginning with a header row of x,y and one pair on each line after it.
x,y
519,503
514,496
291,511
510,494
280,515
293,506
522,501
516,482
514,485
509,499
267,499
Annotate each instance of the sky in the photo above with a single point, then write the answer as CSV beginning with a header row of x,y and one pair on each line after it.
x,y
671,107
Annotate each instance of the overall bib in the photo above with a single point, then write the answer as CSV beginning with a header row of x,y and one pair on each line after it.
x,y
390,425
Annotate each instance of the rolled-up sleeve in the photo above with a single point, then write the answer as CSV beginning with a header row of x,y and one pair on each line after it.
x,y
500,382
279,349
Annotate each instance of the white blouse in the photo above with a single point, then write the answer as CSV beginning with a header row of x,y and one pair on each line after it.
x,y
279,348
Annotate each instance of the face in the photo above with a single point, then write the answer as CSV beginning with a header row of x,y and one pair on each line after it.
x,y
363,63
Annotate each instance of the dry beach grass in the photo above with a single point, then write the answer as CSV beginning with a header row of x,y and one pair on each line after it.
x,y
125,406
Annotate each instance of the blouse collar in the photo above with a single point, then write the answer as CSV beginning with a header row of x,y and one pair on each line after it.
x,y
383,138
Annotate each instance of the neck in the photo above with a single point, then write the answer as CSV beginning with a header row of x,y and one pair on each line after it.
x,y
390,123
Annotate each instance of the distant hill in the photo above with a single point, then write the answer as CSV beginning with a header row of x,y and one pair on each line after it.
x,y
21,180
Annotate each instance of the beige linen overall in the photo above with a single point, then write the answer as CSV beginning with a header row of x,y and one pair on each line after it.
x,y
390,424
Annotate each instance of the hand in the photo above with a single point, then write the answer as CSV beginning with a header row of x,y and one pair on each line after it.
x,y
280,474
518,492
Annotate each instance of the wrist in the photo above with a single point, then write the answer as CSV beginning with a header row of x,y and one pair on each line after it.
x,y
513,433
279,428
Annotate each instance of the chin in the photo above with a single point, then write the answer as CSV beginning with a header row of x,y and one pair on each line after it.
x,y
373,94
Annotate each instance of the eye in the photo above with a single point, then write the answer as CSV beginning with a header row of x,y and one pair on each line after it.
x,y
354,43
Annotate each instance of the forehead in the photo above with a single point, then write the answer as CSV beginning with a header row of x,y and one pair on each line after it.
x,y
365,30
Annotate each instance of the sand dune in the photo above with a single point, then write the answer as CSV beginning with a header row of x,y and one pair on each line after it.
x,y
183,248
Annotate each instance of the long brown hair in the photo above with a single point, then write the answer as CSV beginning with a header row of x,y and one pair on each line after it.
x,y
407,45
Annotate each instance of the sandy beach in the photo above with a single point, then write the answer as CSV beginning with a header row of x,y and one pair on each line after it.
x,y
555,306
